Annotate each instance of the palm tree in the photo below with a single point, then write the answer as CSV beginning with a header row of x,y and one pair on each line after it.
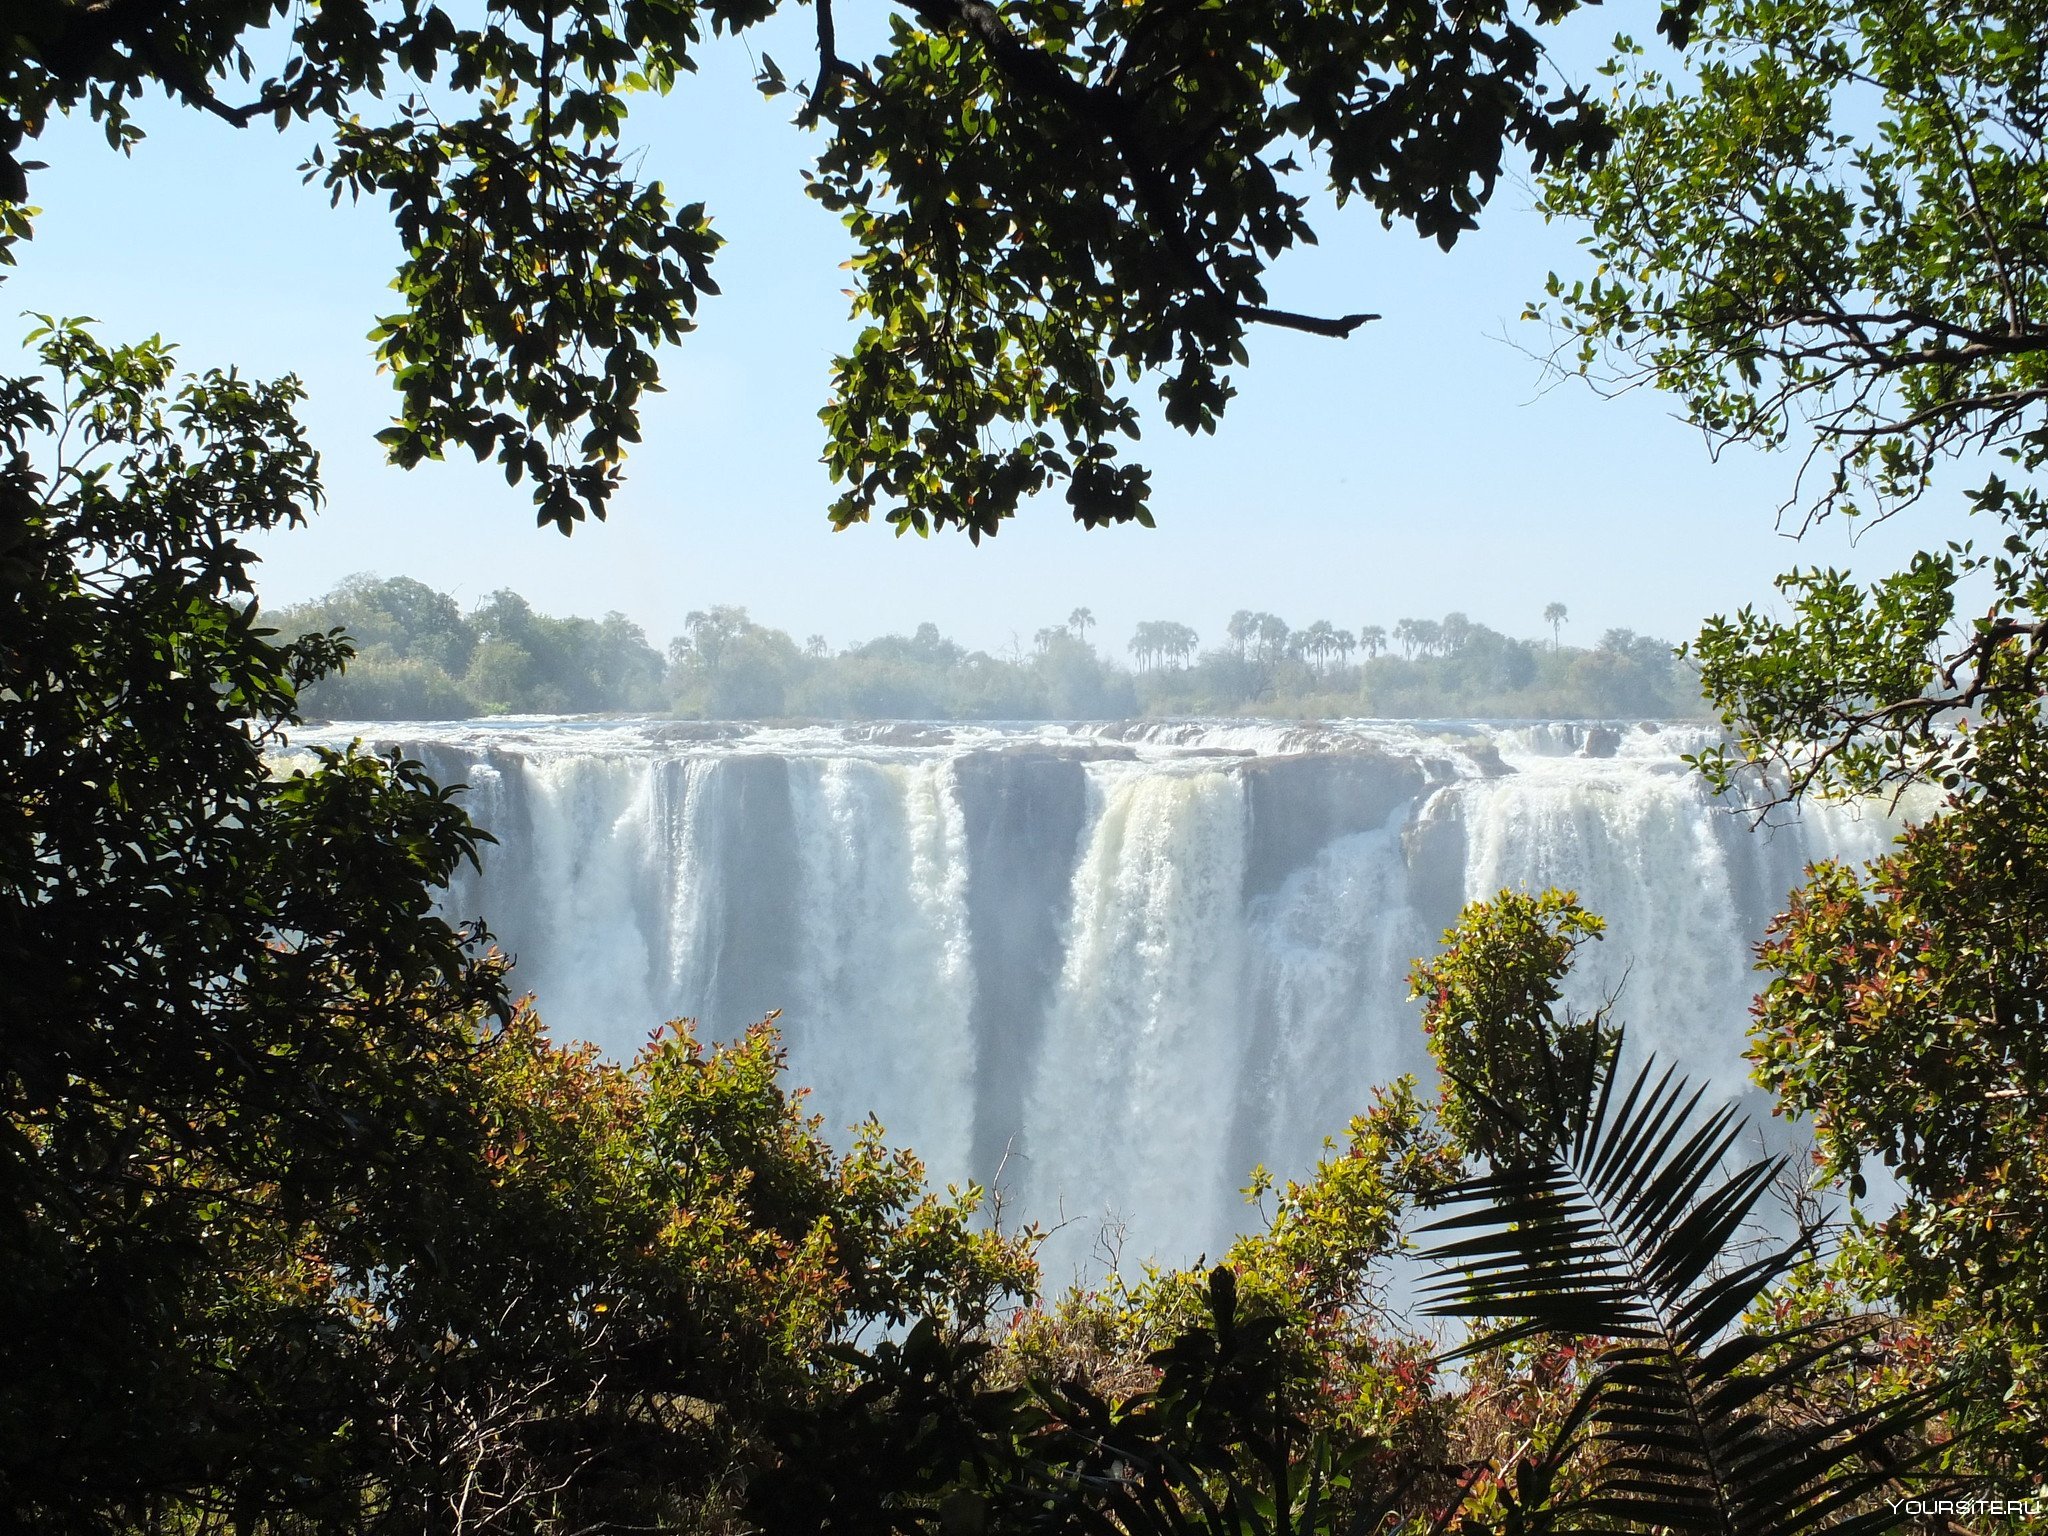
x,y
1080,621
1372,639
1242,629
1618,1231
1271,634
1179,642
1317,642
1555,616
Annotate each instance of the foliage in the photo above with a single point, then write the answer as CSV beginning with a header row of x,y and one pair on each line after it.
x,y
1912,1035
1319,1265
1827,222
1828,215
1621,1232
1656,1367
1273,1392
649,1262
1606,1233
304,1227
232,999
1041,197
1044,198
1489,1009
1223,1444
1217,1441
724,665
418,657
537,273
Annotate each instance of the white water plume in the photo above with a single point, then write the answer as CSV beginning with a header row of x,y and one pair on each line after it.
x,y
1132,960
1145,1042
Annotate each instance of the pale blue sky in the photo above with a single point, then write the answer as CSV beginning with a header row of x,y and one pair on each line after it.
x,y
1420,467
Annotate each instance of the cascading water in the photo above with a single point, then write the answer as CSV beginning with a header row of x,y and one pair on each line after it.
x,y
1121,963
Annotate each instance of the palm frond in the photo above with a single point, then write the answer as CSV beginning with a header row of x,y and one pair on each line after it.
x,y
1623,1232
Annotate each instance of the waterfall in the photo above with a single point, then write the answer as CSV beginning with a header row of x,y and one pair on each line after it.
x,y
1120,964
1144,1049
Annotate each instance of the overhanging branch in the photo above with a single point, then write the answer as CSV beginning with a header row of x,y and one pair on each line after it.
x,y
1315,325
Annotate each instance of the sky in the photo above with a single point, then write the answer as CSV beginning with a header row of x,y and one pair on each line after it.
x,y
1423,466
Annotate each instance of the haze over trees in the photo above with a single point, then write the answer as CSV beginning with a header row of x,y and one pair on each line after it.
x,y
418,657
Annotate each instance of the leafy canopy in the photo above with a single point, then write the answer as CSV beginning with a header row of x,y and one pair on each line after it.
x,y
231,998
1905,1016
302,1226
1049,200
1824,226
1826,223
1490,1009
1607,1215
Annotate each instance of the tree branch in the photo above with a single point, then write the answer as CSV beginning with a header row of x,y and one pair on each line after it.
x,y
831,69
1315,325
2007,404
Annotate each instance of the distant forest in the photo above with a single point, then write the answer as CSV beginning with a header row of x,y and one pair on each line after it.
x,y
419,656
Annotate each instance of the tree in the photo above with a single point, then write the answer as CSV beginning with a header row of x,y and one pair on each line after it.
x,y
1490,1012
305,1228
1816,273
1419,636
1158,640
1812,279
1554,615
725,666
1318,642
1241,629
233,1004
1865,279
1622,1231
1269,637
1372,639
1080,621
406,617
1904,1017
643,1270
1637,1372
1606,1215
1029,206
1453,633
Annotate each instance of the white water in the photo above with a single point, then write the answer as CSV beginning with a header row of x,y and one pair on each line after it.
x,y
1121,963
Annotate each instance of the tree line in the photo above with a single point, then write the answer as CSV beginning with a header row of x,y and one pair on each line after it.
x,y
418,656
